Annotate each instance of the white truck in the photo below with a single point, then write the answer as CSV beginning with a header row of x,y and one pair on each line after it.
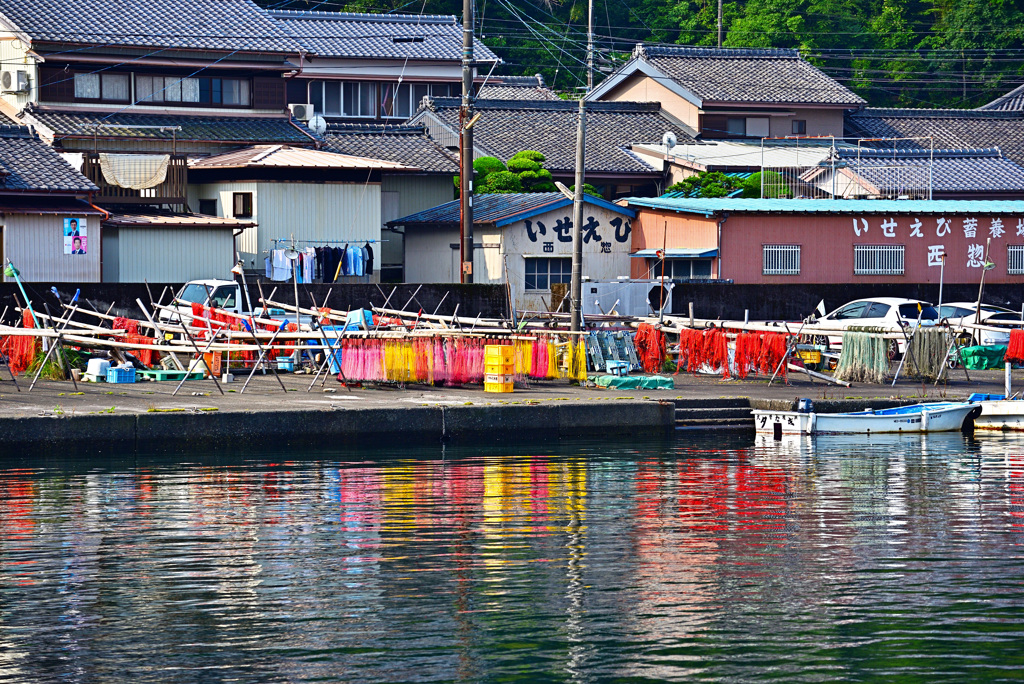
x,y
220,294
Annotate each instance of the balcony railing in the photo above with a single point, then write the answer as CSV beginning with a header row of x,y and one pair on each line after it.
x,y
172,192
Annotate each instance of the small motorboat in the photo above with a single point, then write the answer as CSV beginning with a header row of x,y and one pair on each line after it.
x,y
999,412
942,416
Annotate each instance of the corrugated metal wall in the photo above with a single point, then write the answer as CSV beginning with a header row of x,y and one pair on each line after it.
x,y
36,246
415,194
174,255
309,211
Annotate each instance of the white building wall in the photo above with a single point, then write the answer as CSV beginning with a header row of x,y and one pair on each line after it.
x,y
430,257
14,57
174,255
35,244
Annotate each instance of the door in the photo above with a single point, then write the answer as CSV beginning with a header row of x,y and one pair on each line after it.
x,y
392,252
110,256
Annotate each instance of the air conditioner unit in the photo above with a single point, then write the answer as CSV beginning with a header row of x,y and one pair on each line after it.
x,y
14,81
302,112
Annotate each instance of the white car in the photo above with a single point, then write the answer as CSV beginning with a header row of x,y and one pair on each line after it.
x,y
958,313
881,312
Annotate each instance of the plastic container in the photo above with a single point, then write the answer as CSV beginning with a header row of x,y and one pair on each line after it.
x,y
97,368
121,375
498,353
498,382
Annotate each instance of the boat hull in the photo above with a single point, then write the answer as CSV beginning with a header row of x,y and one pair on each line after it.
x,y
1005,414
941,418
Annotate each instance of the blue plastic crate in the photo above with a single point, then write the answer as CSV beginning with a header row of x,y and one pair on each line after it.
x,y
120,375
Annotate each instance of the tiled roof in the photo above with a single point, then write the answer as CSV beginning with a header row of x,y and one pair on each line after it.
x,y
378,36
503,209
515,88
950,128
983,170
193,127
773,76
220,25
509,126
284,156
407,145
27,164
1012,101
161,219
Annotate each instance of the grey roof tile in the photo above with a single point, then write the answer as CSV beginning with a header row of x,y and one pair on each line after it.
x,y
1012,101
509,126
378,36
27,164
950,128
409,145
220,25
515,88
970,170
503,208
193,127
776,76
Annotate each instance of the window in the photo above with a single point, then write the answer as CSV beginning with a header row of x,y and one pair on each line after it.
x,y
757,127
912,311
852,311
799,126
877,310
231,92
542,272
679,269
208,207
358,99
878,259
166,89
106,86
1015,259
372,100
736,126
781,259
224,297
242,205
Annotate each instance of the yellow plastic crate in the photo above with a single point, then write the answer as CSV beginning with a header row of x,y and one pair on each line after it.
x,y
498,387
499,368
809,356
498,353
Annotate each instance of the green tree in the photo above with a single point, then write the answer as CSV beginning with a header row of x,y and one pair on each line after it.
x,y
588,189
707,184
527,165
500,182
774,183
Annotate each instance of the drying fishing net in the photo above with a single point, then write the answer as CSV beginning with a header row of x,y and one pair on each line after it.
x,y
865,358
927,353
650,347
1015,349
21,350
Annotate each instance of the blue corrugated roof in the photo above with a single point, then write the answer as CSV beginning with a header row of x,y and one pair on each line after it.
x,y
716,205
503,209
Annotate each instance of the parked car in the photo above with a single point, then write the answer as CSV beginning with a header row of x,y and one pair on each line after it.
x,y
958,313
882,312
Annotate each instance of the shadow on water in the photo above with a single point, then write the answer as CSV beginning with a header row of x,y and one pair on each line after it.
x,y
711,557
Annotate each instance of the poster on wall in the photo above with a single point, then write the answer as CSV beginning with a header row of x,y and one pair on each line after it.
x,y
75,236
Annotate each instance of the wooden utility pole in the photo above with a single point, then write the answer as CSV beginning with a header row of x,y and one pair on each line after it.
x,y
466,145
576,285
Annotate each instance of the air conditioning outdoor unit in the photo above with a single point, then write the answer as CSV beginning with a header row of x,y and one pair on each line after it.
x,y
14,81
302,112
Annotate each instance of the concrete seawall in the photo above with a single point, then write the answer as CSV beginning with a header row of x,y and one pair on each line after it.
x,y
183,432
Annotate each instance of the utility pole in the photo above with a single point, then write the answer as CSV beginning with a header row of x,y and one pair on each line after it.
x,y
719,23
576,285
590,46
466,145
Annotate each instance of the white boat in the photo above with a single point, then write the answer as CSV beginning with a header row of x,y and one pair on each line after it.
x,y
999,413
932,417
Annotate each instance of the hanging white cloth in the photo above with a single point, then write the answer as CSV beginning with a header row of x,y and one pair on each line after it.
x,y
134,171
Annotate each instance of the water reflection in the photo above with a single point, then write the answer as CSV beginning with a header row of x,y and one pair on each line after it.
x,y
803,560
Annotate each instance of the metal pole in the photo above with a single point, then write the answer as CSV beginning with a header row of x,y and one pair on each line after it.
x,y
590,45
466,144
576,285
942,273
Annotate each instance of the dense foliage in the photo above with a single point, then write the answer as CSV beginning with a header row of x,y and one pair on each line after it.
x,y
524,172
911,53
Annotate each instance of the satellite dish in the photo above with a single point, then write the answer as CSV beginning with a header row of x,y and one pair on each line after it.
x,y
669,140
318,124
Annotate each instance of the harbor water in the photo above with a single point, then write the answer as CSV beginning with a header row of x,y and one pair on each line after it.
x,y
705,557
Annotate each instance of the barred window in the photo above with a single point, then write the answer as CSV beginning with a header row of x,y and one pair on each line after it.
x,y
1015,259
541,272
781,259
878,259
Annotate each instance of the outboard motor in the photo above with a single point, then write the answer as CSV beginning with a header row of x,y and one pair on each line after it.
x,y
805,406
